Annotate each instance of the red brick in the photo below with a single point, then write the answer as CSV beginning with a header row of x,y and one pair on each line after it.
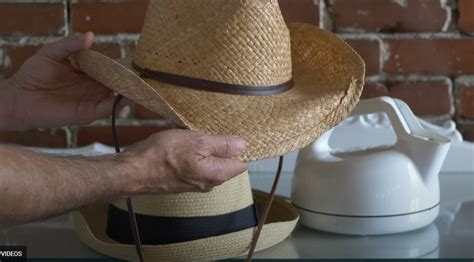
x,y
31,18
108,17
437,56
304,11
467,131
466,15
369,50
424,98
126,134
46,138
112,50
374,90
388,15
466,102
17,55
143,113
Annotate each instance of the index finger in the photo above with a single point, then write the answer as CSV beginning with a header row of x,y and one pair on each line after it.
x,y
226,145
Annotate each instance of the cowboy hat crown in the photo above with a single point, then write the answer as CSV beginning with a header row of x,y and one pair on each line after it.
x,y
227,41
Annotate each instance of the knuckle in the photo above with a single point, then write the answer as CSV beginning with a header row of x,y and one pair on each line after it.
x,y
227,145
202,145
189,163
202,141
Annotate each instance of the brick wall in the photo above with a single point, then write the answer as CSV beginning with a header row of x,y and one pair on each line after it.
x,y
421,51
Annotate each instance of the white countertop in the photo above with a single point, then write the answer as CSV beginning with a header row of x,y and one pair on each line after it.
x,y
450,236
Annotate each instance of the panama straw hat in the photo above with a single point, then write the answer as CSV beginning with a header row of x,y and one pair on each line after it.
x,y
235,67
105,228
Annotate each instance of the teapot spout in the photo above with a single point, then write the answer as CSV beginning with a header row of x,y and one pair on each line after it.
x,y
427,153
426,148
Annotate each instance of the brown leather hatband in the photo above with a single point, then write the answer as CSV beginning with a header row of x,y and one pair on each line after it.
x,y
212,86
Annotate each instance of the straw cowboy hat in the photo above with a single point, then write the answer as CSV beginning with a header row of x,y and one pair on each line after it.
x,y
187,226
235,67
222,67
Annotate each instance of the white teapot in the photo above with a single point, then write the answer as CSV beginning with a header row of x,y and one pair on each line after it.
x,y
369,191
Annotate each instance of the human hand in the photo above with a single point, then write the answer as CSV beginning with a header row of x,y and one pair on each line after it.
x,y
181,161
49,92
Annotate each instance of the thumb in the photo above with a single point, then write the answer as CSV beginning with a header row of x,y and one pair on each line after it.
x,y
62,49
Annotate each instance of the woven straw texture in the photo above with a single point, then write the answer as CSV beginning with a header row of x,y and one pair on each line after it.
x,y
231,196
328,75
230,41
90,224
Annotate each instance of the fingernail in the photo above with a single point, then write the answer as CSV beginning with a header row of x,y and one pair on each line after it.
x,y
240,144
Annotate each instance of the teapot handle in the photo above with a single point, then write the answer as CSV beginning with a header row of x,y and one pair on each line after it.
x,y
402,119
404,122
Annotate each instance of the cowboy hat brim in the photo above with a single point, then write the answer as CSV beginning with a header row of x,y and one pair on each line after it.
x,y
90,225
328,76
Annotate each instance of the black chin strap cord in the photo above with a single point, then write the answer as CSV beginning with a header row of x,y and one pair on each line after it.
x,y
264,213
131,213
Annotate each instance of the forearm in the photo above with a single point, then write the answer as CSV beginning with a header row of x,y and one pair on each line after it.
x,y
35,186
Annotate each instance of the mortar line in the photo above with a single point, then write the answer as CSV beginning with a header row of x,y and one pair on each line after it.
x,y
400,36
68,17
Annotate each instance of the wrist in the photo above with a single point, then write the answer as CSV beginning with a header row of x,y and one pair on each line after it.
x,y
122,174
142,171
